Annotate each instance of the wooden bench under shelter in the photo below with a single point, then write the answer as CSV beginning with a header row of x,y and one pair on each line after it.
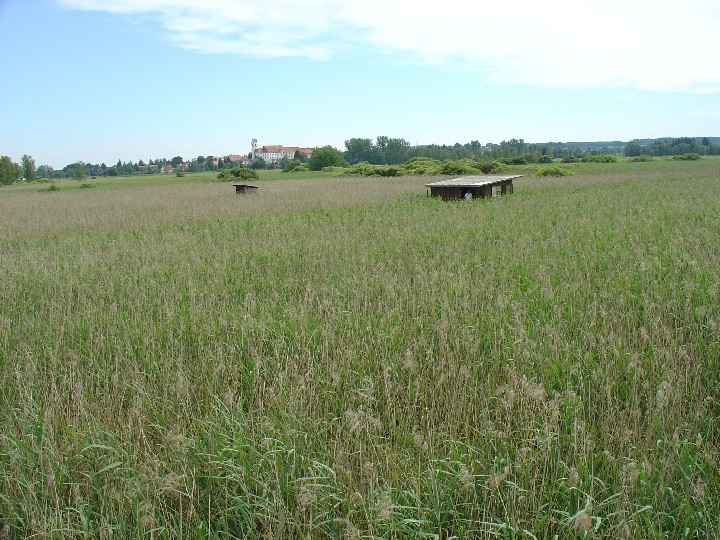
x,y
471,187
244,188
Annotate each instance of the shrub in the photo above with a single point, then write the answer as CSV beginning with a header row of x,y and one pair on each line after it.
x,y
87,185
641,157
686,157
570,159
238,173
389,170
515,160
292,165
421,166
362,168
51,187
544,159
491,167
366,169
599,158
553,171
180,174
604,158
432,167
460,166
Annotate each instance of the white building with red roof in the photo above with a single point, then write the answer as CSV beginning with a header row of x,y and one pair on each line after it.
x,y
275,152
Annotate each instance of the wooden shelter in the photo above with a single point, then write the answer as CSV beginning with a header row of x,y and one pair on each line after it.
x,y
244,188
471,187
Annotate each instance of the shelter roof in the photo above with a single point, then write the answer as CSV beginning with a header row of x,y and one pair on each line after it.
x,y
474,181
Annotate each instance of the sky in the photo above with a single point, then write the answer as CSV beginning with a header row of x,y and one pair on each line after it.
x,y
107,80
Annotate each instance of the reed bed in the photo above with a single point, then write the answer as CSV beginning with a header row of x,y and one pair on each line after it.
x,y
344,358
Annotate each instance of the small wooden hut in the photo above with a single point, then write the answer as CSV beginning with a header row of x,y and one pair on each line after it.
x,y
244,188
471,187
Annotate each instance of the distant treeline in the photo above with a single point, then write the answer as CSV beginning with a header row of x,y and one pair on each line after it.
x,y
395,151
705,146
10,172
383,150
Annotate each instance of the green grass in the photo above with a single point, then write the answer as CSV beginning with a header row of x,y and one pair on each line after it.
x,y
346,358
140,180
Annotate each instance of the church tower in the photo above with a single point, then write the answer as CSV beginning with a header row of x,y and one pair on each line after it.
x,y
253,146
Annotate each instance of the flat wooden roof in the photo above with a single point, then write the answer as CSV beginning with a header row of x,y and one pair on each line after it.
x,y
474,181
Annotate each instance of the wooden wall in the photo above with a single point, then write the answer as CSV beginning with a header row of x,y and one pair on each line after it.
x,y
449,193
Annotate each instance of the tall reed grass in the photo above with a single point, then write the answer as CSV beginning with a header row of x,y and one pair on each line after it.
x,y
351,359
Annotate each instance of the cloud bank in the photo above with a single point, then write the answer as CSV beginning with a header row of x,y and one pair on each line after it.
x,y
647,45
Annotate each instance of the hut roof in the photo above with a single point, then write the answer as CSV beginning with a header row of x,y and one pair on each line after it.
x,y
473,181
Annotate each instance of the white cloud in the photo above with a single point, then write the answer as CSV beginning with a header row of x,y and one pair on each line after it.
x,y
643,44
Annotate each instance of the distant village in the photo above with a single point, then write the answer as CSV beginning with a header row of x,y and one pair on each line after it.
x,y
268,155
259,157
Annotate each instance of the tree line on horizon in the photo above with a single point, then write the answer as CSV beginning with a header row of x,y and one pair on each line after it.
x,y
383,150
672,147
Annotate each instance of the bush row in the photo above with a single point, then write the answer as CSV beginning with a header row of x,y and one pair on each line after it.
x,y
591,158
422,166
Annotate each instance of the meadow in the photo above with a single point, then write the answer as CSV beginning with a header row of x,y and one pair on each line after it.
x,y
348,358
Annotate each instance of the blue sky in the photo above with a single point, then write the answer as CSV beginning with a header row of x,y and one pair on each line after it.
x,y
102,80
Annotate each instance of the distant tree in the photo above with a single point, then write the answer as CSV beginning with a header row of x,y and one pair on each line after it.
x,y
301,156
326,156
632,149
509,149
357,150
293,165
29,170
45,171
257,163
396,151
79,170
381,142
177,160
9,171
